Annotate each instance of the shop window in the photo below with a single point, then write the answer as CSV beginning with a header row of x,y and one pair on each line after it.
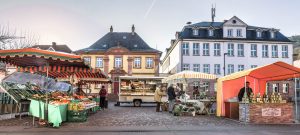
x,y
285,88
275,87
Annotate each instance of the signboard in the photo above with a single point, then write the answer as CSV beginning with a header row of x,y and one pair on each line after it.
x,y
275,112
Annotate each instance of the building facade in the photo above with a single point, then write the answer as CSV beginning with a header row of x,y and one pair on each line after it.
x,y
122,54
206,46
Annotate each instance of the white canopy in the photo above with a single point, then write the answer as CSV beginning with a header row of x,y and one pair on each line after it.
x,y
184,76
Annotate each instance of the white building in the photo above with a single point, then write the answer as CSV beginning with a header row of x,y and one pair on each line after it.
x,y
202,46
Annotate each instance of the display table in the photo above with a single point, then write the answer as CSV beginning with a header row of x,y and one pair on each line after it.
x,y
266,113
56,113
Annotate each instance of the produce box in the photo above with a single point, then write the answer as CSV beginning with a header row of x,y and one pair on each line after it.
x,y
77,116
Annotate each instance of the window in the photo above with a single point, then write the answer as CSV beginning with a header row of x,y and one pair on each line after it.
x,y
118,62
230,68
206,49
185,67
185,48
240,50
196,67
274,51
253,50
229,32
99,62
239,33
241,67
285,53
272,34
137,62
149,62
195,32
206,68
285,88
206,86
265,51
253,66
217,69
230,49
275,87
210,32
196,49
217,49
258,34
87,60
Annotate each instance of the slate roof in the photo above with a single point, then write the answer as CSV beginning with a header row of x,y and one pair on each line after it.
x,y
187,32
133,42
58,48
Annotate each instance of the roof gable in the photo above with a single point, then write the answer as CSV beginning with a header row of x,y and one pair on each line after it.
x,y
235,21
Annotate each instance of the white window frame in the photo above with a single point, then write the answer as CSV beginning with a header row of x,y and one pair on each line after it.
x,y
239,33
118,62
272,34
87,60
217,49
258,34
185,48
205,49
205,85
275,87
274,51
230,69
230,49
217,69
241,50
285,88
253,50
196,67
285,51
149,62
241,67
206,68
137,62
229,32
195,32
211,32
196,49
185,67
99,62
265,51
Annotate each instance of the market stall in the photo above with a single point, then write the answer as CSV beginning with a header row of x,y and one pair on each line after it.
x,y
260,106
52,65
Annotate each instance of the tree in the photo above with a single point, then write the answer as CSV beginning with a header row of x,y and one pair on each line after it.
x,y
13,39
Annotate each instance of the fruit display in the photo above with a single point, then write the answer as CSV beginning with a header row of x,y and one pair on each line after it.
x,y
76,106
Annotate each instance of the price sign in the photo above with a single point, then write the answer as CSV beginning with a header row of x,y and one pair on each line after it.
x,y
275,112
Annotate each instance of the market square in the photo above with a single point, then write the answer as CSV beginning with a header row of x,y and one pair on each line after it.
x,y
123,67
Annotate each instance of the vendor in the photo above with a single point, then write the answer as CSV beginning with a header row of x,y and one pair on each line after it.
x,y
242,91
132,86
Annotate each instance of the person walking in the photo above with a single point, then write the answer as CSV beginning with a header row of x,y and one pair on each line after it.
x,y
157,97
171,98
102,95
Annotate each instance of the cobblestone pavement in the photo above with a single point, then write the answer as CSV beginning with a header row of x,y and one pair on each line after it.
x,y
133,116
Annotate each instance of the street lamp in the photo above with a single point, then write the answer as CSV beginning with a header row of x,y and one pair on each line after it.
x,y
224,64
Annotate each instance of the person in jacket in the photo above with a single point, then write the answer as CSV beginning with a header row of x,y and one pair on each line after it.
x,y
246,89
157,97
102,95
171,97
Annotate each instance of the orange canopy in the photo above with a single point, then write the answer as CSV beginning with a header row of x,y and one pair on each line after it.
x,y
229,86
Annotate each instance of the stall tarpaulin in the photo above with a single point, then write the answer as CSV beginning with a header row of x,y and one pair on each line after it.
x,y
229,86
182,76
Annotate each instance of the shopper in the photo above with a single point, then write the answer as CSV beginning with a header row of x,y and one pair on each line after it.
x,y
248,91
157,97
102,95
171,97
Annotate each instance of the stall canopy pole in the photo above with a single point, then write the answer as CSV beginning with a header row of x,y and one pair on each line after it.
x,y
46,88
296,104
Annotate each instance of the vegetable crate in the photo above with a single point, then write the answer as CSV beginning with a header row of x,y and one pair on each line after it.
x,y
77,116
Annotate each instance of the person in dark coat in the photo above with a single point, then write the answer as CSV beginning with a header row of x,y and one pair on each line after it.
x,y
171,97
102,95
242,91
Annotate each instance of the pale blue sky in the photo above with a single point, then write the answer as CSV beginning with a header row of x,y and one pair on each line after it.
x,y
79,23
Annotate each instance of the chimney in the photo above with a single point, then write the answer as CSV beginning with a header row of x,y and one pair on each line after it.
x,y
54,44
177,34
111,29
132,29
173,41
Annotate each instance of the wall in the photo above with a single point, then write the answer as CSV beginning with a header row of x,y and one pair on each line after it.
x,y
175,60
285,96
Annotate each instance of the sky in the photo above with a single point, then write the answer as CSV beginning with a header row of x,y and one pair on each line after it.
x,y
80,23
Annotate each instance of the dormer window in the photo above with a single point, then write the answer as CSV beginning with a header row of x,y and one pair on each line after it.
x,y
104,46
229,32
239,33
195,32
258,34
51,49
135,45
210,32
272,34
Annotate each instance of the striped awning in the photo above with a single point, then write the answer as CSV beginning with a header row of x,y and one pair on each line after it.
x,y
190,75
